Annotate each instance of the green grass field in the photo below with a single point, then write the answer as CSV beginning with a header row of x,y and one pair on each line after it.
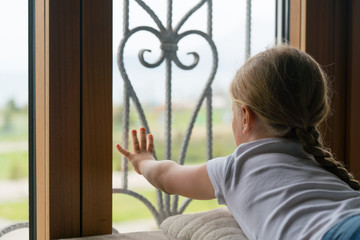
x,y
15,128
15,210
14,164
125,208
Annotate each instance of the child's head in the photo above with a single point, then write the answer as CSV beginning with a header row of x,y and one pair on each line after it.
x,y
285,87
287,90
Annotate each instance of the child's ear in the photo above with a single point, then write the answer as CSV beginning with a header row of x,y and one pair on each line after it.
x,y
248,118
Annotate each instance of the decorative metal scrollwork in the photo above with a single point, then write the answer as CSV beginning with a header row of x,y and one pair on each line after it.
x,y
169,39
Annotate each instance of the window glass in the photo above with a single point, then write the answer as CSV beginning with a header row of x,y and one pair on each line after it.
x,y
229,33
14,116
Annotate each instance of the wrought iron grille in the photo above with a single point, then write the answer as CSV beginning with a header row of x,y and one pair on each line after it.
x,y
169,36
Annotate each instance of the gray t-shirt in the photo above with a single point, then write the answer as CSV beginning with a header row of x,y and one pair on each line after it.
x,y
275,190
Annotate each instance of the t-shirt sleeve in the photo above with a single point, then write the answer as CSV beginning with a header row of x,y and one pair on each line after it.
x,y
216,169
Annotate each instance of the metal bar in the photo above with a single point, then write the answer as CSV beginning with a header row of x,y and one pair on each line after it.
x,y
209,18
209,149
248,30
125,140
282,31
168,103
126,17
32,121
209,96
276,21
168,124
126,110
285,21
169,15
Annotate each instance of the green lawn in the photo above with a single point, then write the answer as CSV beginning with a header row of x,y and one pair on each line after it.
x,y
17,127
14,165
17,210
125,208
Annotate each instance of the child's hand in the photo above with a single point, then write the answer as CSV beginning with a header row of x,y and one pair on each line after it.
x,y
142,151
166,175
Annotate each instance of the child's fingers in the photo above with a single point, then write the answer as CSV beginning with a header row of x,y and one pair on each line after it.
x,y
150,143
123,151
135,141
142,138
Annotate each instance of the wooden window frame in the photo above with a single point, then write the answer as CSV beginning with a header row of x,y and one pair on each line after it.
x,y
73,118
327,30
73,99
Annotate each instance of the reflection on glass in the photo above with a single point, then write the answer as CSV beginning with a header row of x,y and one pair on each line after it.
x,y
13,116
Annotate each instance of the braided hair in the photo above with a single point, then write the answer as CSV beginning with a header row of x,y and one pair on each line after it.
x,y
288,91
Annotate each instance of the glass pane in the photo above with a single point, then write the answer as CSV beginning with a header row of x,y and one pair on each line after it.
x,y
14,116
229,35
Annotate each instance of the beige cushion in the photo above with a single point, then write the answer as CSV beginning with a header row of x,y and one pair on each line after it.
x,y
216,224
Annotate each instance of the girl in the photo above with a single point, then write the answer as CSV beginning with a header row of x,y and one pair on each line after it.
x,y
280,182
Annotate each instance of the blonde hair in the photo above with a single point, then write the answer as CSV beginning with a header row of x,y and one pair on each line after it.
x,y
288,91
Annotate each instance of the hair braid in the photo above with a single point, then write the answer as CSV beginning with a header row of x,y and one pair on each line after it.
x,y
288,90
312,143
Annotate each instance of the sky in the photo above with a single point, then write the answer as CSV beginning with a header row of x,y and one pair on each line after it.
x,y
13,51
228,35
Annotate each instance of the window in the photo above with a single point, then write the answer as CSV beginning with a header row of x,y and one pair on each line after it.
x,y
71,225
